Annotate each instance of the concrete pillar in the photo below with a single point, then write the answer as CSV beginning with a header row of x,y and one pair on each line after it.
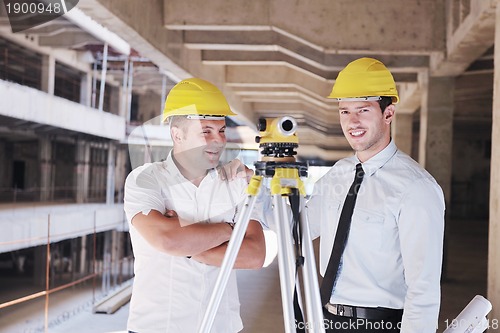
x,y
116,256
130,84
86,89
110,179
436,145
83,255
46,169
115,98
120,171
122,109
437,129
8,171
82,171
74,258
106,263
424,110
40,266
494,222
48,73
402,131
124,92
3,167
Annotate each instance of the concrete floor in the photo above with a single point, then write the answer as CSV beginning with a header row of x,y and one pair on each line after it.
x,y
260,293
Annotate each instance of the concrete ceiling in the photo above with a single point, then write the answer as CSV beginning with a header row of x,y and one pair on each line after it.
x,y
281,57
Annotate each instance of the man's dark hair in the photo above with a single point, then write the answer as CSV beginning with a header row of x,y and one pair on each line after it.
x,y
384,102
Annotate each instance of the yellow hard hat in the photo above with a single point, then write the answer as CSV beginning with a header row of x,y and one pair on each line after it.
x,y
364,78
196,97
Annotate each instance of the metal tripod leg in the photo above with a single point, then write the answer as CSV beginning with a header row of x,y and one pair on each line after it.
x,y
232,250
314,319
311,285
286,260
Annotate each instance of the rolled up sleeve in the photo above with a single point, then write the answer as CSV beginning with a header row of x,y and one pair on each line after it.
x,y
142,192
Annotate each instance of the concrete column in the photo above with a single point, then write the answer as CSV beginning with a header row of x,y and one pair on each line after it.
x,y
424,110
115,97
494,223
74,256
130,84
82,171
48,73
8,172
122,157
110,179
3,167
86,89
46,181
124,91
436,140
83,255
122,110
116,256
40,266
402,131
437,129
106,263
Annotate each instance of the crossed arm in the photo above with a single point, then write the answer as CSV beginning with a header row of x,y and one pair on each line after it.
x,y
204,242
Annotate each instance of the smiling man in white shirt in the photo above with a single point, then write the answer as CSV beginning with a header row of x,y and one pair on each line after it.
x,y
387,278
181,216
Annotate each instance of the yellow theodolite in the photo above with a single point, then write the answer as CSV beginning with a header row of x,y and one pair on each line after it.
x,y
278,141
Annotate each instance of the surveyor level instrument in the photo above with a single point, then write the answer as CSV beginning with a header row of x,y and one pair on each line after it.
x,y
295,250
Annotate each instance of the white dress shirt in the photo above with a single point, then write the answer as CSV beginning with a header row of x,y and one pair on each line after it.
x,y
394,249
171,293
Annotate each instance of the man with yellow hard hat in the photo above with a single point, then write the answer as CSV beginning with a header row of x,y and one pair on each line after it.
x,y
181,216
380,217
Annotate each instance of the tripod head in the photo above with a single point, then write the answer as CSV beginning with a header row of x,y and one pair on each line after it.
x,y
278,142
277,138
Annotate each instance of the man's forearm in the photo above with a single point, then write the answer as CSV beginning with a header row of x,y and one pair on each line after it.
x,y
197,238
251,254
167,235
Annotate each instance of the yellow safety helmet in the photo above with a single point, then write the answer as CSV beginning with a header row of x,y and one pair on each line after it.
x,y
198,99
364,79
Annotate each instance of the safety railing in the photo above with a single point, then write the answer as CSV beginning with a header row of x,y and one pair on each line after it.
x,y
54,194
62,260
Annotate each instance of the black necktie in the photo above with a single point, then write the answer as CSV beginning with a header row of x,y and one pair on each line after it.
x,y
341,236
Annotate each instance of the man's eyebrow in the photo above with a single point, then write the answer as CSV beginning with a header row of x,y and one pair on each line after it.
x,y
213,127
364,106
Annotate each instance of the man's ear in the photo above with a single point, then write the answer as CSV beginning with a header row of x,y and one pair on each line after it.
x,y
176,134
389,113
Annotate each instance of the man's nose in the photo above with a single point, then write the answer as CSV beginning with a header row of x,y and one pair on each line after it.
x,y
218,138
353,118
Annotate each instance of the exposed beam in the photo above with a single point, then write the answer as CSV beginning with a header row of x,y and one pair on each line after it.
x,y
67,40
471,39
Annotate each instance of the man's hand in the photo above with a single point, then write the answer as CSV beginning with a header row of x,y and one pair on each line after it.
x,y
235,169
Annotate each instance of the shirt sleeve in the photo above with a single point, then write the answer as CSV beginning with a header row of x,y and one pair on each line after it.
x,y
315,207
262,210
142,192
421,230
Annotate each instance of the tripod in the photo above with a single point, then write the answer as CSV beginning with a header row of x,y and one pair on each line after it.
x,y
285,183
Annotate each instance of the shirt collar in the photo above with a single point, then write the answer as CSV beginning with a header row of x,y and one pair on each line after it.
x,y
379,160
